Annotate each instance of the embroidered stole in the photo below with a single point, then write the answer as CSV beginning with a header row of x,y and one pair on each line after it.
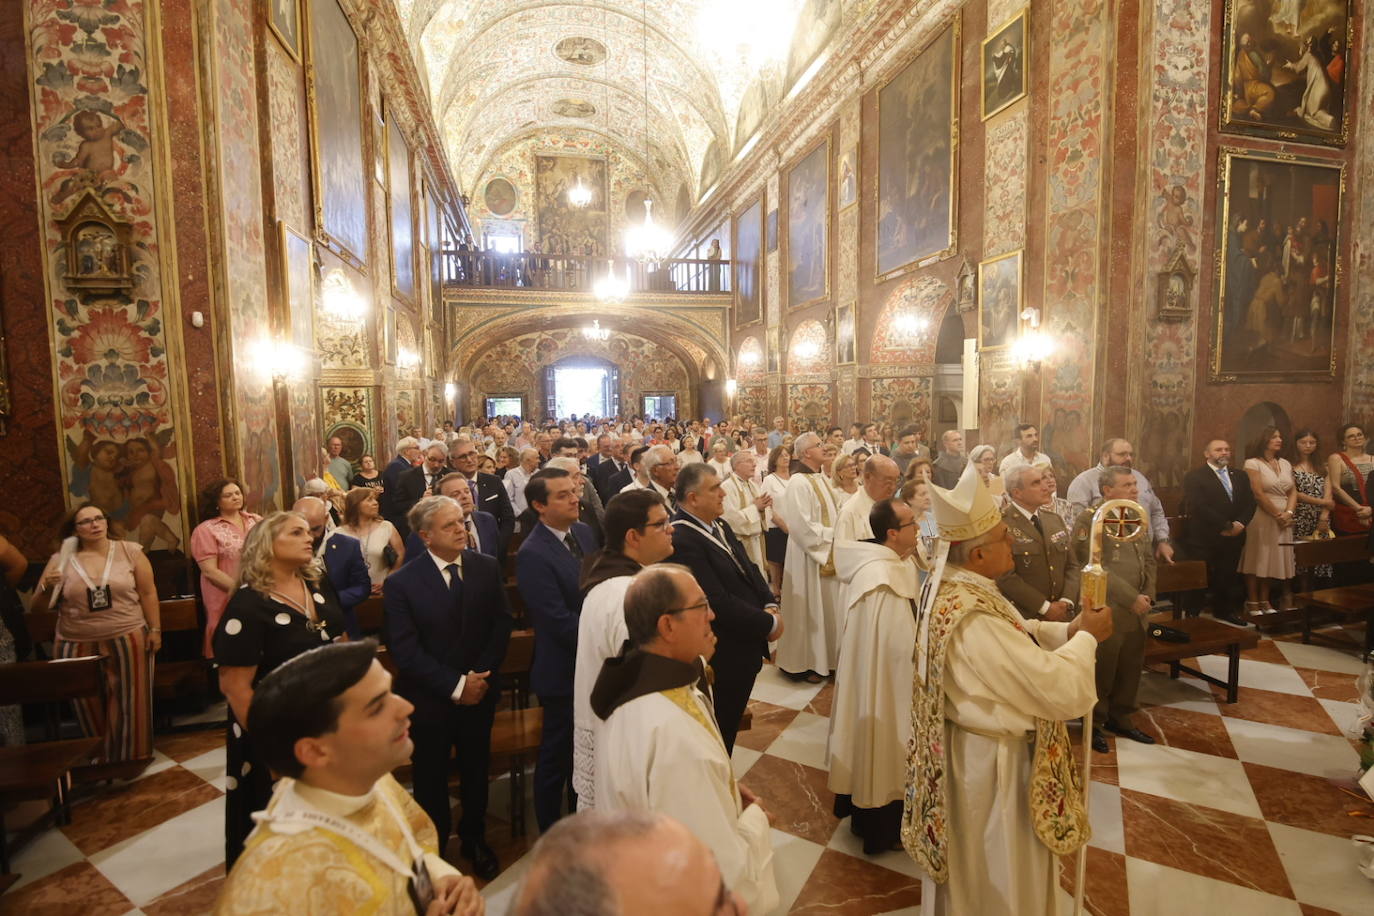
x,y
1056,788
682,697
828,567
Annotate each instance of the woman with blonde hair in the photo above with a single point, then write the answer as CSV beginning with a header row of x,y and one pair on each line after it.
x,y
844,478
282,606
383,550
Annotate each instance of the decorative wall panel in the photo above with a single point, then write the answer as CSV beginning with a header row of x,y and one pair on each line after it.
x,y
286,106
809,351
1004,188
908,325
1359,392
751,404
901,402
809,406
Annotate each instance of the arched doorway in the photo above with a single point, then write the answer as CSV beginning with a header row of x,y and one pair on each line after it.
x,y
581,385
949,376
1253,421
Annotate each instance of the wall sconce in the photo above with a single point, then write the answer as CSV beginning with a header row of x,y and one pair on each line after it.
x,y
731,386
807,349
450,392
281,362
339,299
407,358
1032,347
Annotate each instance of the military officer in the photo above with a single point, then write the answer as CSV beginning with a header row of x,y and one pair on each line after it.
x,y
1130,593
1043,583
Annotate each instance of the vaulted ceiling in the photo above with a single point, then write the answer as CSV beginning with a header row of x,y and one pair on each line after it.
x,y
499,70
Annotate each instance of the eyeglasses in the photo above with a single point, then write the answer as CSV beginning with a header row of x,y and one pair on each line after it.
x,y
691,607
665,525
91,520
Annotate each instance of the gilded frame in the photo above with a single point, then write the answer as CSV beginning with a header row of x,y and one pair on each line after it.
x,y
297,50
285,237
1025,62
1015,328
354,259
1227,157
955,33
785,242
1236,126
849,157
846,340
735,265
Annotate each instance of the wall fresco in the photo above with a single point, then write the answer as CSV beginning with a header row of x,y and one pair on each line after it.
x,y
901,402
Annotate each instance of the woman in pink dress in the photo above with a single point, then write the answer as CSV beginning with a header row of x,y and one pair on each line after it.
x,y
215,546
1276,500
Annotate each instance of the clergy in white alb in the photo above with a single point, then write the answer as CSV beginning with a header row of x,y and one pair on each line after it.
x,y
638,533
340,835
745,506
880,479
870,718
660,749
810,643
993,795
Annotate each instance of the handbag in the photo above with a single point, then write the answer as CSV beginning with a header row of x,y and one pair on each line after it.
x,y
389,556
1343,518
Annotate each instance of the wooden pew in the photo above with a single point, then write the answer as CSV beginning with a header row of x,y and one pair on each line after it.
x,y
1344,602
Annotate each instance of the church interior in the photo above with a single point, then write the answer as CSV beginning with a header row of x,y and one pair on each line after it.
x,y
255,238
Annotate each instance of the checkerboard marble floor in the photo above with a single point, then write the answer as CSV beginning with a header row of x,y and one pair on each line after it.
x,y
1237,809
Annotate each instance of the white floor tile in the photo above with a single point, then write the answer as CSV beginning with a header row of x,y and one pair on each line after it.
x,y
1257,675
1323,658
1292,749
803,741
1104,811
152,863
50,851
1321,869
209,767
1182,693
1342,713
217,712
793,861
742,758
1157,890
1187,776
844,840
772,686
160,762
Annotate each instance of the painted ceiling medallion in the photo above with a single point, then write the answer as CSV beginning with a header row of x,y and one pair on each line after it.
x,y
586,52
573,108
499,197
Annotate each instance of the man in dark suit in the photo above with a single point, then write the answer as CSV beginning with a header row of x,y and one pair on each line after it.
x,y
1219,504
612,476
447,626
604,452
415,484
1043,583
488,493
343,561
407,453
747,617
481,526
548,568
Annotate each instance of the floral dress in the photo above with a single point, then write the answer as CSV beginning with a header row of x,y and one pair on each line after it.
x,y
1306,516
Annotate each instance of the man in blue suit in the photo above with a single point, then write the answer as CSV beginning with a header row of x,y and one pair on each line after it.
x,y
483,535
447,626
407,453
547,570
343,561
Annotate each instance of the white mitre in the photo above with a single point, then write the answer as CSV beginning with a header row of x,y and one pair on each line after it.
x,y
966,511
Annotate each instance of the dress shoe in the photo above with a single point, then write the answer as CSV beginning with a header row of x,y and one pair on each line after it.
x,y
1100,742
484,862
1134,734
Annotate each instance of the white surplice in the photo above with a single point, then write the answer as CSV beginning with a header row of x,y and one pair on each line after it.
x,y
870,720
810,602
601,631
997,682
852,524
745,518
652,755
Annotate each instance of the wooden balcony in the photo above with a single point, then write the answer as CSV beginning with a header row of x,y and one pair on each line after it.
x,y
575,273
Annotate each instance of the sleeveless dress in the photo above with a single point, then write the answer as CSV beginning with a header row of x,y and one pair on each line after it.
x,y
1263,555
1306,516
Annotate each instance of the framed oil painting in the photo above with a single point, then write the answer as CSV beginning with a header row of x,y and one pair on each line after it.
x,y
774,349
746,263
334,84
563,228
807,245
917,131
1004,66
845,349
284,19
401,212
772,230
999,301
1286,69
298,286
847,191
1278,263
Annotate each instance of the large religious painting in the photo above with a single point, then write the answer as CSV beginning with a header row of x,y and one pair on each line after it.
x,y
999,301
401,211
1004,66
336,131
807,247
284,18
917,127
298,287
1287,62
1278,265
563,228
746,262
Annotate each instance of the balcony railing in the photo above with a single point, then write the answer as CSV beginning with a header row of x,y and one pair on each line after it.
x,y
576,273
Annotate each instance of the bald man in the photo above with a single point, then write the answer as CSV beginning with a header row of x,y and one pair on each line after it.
x,y
880,482
343,560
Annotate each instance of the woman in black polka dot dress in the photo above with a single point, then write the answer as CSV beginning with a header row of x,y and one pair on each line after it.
x,y
283,606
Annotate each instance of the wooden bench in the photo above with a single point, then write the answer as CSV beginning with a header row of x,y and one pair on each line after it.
x,y
1345,602
1208,637
370,616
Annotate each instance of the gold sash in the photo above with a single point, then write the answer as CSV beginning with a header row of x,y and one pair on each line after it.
x,y
828,567
682,697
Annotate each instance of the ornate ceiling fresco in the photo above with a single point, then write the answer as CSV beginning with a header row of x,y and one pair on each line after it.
x,y
500,70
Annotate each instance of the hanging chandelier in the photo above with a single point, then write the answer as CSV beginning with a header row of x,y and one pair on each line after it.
x,y
610,287
595,331
648,242
579,195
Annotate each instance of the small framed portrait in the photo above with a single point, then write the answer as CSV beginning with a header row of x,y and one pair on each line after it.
x,y
1174,292
845,349
1004,66
999,301
847,191
774,347
772,230
284,18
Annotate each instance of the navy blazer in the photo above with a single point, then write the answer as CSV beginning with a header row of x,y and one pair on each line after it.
x,y
435,640
390,474
547,574
486,531
732,584
347,570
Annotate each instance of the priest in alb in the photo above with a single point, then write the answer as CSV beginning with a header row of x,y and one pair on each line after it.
x,y
810,642
745,505
879,483
870,722
660,748
993,793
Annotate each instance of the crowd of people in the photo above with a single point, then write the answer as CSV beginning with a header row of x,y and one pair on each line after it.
x,y
660,565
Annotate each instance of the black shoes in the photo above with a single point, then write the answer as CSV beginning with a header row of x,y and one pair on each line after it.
x,y
484,862
1134,734
1100,742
